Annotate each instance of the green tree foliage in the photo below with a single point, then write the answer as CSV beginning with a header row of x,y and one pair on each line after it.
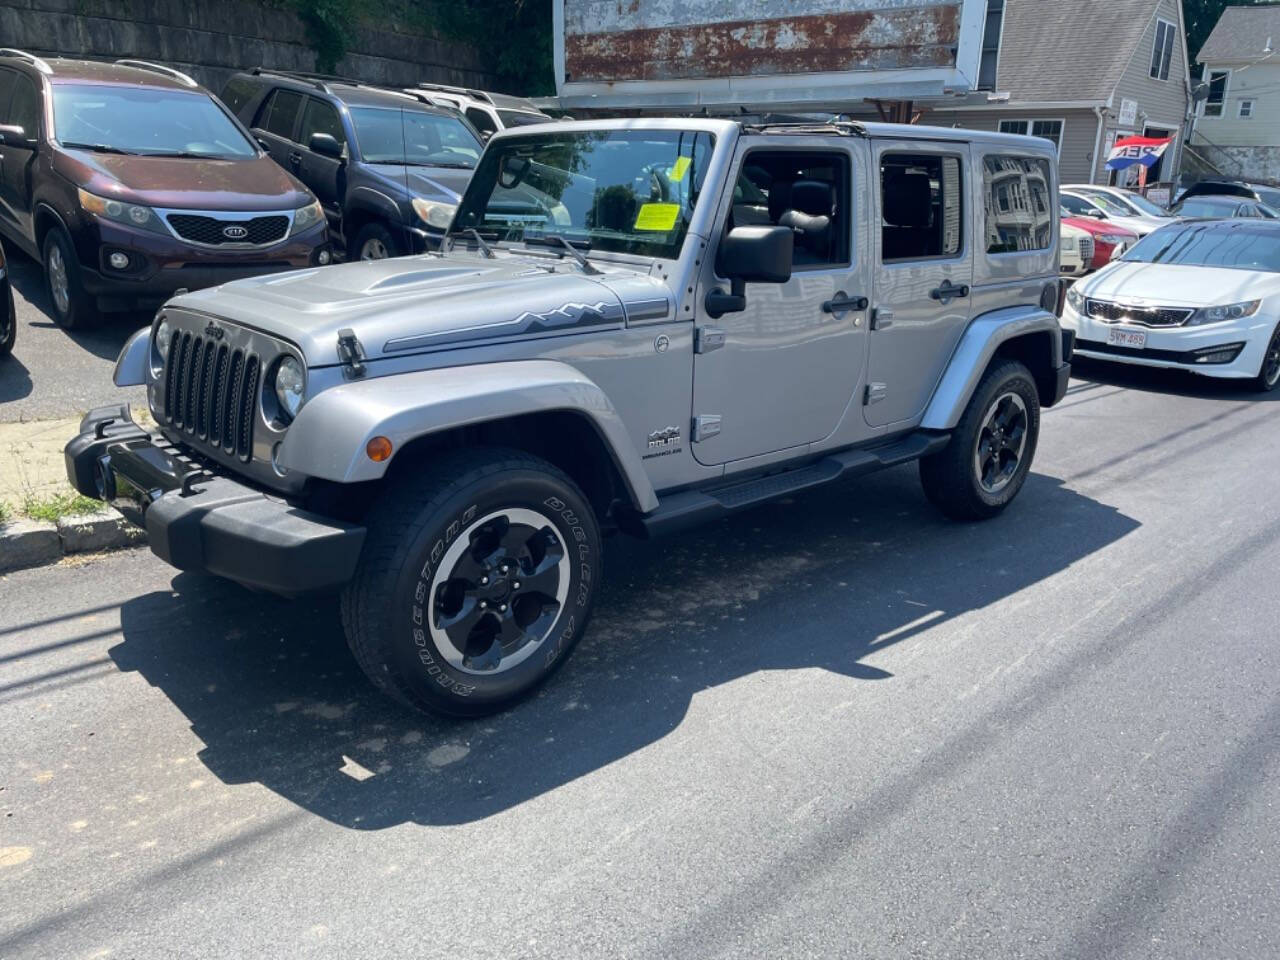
x,y
515,34
1201,17
329,26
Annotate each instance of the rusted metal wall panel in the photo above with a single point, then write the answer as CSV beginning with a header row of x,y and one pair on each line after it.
x,y
607,41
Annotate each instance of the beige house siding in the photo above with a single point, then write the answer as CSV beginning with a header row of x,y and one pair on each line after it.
x,y
1259,83
1161,104
1079,128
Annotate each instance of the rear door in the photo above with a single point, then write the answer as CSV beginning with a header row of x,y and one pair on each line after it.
x,y
923,275
276,126
324,175
22,109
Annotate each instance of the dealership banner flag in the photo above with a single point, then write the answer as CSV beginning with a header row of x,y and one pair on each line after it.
x,y
1131,150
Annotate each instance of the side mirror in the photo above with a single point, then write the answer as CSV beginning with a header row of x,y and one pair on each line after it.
x,y
325,145
15,136
262,142
754,254
1097,214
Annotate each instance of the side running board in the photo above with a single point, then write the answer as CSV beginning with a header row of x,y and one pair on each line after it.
x,y
687,508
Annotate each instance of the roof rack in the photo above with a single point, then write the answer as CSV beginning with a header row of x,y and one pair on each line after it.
x,y
31,58
160,68
465,91
321,81
843,128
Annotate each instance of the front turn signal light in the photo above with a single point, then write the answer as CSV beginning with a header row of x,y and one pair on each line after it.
x,y
378,449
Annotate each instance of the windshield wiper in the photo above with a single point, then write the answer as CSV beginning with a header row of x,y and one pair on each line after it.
x,y
559,241
475,235
185,154
98,148
443,166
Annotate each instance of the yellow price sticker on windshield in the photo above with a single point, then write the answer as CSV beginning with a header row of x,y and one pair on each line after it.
x,y
676,173
657,216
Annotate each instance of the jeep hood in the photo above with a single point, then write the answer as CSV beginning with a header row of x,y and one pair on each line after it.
x,y
414,304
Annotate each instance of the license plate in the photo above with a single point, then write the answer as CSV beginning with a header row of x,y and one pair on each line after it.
x,y
1133,339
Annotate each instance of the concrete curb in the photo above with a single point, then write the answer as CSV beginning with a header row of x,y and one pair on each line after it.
x,y
33,543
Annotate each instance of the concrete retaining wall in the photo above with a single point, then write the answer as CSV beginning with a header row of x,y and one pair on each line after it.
x,y
211,39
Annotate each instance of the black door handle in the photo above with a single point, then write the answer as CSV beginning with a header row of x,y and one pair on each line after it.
x,y
842,301
295,157
948,291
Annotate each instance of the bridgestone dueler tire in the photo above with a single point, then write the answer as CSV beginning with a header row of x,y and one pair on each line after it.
x,y
949,477
386,605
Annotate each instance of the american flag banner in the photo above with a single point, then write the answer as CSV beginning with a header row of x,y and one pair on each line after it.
x,y
1131,150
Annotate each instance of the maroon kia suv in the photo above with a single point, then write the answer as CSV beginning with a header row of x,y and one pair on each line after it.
x,y
130,181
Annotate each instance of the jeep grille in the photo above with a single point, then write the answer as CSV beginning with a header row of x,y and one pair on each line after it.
x,y
211,392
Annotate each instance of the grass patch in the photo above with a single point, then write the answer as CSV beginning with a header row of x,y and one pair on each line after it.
x,y
53,507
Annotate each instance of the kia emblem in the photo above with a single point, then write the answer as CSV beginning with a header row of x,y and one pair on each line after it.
x,y
235,232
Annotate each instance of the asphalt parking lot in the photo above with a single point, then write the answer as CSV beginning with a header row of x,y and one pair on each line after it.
x,y
838,725
55,372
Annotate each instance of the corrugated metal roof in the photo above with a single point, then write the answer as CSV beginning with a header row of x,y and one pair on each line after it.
x,y
1242,33
1052,51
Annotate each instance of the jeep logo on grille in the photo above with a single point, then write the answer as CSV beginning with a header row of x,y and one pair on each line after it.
x,y
214,331
235,232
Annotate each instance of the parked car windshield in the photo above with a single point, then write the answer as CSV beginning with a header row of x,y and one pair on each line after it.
x,y
1139,204
415,138
1109,205
626,191
150,121
1270,196
521,118
1235,244
1209,206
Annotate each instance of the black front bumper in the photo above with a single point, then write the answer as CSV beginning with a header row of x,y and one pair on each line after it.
x,y
197,519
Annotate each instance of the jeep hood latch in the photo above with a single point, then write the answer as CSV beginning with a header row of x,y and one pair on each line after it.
x,y
350,355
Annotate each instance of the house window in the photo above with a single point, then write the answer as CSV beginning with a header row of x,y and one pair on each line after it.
x,y
1162,50
1246,108
1048,129
991,45
1213,105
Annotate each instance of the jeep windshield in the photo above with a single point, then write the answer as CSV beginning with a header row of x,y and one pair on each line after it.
x,y
414,138
146,121
624,191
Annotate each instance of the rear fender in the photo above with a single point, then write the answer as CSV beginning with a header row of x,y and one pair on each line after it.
x,y
329,437
979,344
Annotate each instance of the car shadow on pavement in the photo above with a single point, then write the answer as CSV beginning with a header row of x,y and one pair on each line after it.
x,y
823,581
1179,383
15,379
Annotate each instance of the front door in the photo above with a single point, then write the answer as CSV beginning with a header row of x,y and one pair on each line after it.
x,y
924,268
22,109
781,373
323,175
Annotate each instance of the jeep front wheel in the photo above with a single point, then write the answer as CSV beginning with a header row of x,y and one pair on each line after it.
x,y
475,582
985,464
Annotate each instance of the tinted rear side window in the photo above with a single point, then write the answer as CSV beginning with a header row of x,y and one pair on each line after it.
x,y
281,112
7,77
24,108
238,92
921,203
1016,193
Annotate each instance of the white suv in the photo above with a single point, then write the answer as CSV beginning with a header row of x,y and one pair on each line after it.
x,y
488,112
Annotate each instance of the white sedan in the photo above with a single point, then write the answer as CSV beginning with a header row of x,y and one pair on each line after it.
x,y
1091,202
1198,295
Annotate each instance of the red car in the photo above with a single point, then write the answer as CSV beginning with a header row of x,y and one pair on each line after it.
x,y
1109,241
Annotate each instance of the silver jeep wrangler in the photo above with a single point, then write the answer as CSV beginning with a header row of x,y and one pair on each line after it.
x,y
632,325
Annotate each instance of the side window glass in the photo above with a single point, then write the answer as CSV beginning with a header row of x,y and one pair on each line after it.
x,y
1016,194
481,120
7,78
281,112
320,117
808,192
237,92
24,108
921,203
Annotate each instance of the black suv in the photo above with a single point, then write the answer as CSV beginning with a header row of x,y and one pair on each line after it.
x,y
388,168
130,181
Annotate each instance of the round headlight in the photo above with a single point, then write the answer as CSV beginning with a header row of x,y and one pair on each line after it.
x,y
163,336
139,215
291,381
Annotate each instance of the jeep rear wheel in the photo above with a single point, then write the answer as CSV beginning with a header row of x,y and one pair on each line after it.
x,y
986,462
475,582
